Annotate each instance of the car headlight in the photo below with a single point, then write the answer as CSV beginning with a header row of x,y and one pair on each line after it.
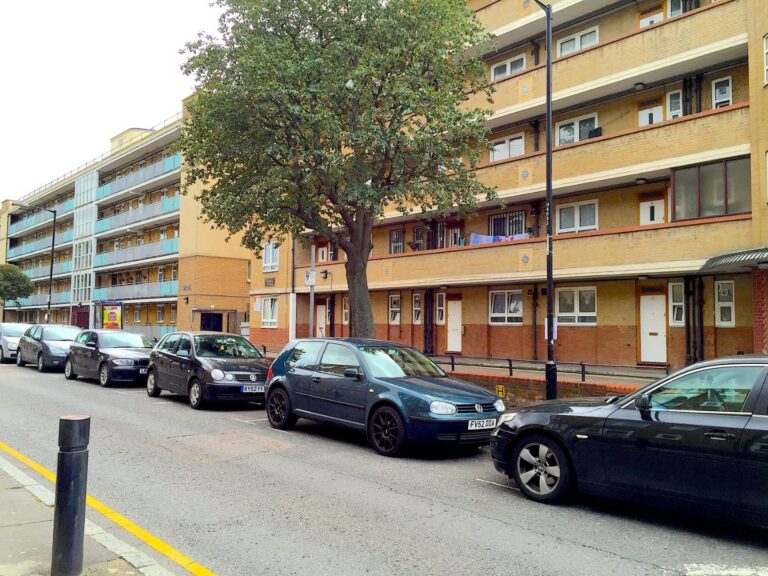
x,y
499,405
506,417
12,346
229,376
122,362
217,374
439,407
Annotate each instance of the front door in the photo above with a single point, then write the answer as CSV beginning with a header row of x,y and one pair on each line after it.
x,y
653,328
320,317
454,326
211,322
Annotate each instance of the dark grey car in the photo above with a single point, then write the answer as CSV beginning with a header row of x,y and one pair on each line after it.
x,y
46,345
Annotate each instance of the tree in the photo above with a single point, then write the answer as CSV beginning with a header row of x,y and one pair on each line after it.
x,y
321,114
14,284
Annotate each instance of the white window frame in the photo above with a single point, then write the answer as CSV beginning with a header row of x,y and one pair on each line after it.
x,y
507,62
577,36
576,312
765,59
173,314
269,312
575,122
322,253
160,313
416,307
506,141
136,313
730,91
395,309
270,257
720,305
440,308
505,316
668,114
577,217
397,247
672,14
345,310
673,304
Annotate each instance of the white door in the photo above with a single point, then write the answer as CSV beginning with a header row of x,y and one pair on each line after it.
x,y
653,328
454,326
320,321
652,212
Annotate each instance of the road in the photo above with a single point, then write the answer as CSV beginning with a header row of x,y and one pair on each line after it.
x,y
243,499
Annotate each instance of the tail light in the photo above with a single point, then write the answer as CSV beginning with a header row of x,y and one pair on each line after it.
x,y
269,374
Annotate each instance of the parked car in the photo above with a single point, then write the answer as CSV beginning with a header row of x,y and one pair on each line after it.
x,y
46,345
697,439
109,355
9,339
392,392
206,367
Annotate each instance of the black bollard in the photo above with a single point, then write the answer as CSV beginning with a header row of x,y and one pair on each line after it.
x,y
71,481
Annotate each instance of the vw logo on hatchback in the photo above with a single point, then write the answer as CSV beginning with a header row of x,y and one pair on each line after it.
x,y
479,408
253,377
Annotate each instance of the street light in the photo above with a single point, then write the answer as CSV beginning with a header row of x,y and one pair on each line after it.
x,y
53,245
551,367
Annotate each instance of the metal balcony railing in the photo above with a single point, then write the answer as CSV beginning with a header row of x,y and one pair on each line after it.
x,y
132,291
42,216
152,250
143,212
61,238
41,299
45,270
167,164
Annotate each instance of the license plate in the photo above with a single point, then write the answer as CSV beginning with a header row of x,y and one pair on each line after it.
x,y
253,388
142,370
482,424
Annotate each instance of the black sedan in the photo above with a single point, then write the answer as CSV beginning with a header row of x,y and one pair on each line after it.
x,y
696,440
46,345
109,355
207,366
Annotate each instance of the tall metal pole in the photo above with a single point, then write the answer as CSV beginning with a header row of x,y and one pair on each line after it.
x,y
551,367
50,271
312,291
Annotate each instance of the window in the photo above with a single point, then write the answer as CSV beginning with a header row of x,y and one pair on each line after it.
x,y
419,238
725,304
651,16
336,359
721,92
674,8
650,113
674,104
161,274
576,129
322,253
676,304
416,308
454,237
345,310
304,355
508,147
269,312
175,271
394,309
137,313
579,41
508,67
169,343
270,257
139,238
712,189
577,217
506,307
137,278
440,309
173,313
721,389
185,346
576,306
162,233
160,313
397,241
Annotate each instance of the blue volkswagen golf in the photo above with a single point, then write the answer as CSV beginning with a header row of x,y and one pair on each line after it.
x,y
392,392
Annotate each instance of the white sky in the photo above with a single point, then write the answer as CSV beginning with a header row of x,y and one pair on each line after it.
x,y
77,72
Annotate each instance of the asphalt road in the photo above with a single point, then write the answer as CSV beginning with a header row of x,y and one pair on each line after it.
x,y
243,499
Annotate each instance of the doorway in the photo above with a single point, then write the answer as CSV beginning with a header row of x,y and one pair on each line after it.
x,y
453,343
653,328
320,321
211,322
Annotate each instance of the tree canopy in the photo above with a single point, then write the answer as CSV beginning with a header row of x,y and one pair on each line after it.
x,y
321,114
14,284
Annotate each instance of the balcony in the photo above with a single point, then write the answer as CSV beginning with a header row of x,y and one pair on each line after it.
x,y
41,217
41,299
685,44
152,250
135,291
164,166
42,244
143,212
45,270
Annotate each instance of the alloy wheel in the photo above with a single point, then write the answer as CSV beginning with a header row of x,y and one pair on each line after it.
x,y
277,407
195,395
152,388
40,363
538,469
104,375
385,430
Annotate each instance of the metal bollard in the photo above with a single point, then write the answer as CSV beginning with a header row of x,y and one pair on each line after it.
x,y
509,364
264,348
71,481
453,363
583,371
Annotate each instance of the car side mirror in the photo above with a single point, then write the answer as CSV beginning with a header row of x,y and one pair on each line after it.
x,y
352,373
183,353
90,345
643,403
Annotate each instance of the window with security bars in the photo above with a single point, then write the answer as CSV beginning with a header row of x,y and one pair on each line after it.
x,y
507,224
420,235
397,241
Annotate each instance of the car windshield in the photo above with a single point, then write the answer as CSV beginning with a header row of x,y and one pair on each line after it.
x,y
60,332
399,362
14,330
124,340
215,346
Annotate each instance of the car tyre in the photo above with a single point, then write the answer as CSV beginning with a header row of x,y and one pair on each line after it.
x,y
196,400
153,389
69,372
19,361
386,431
541,469
105,378
2,356
40,362
279,411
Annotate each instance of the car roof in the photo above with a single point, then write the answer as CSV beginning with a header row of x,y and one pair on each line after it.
x,y
727,360
354,341
205,333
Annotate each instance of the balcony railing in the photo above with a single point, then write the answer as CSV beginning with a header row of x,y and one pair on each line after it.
x,y
42,216
143,212
41,299
45,270
133,291
167,164
152,250
61,238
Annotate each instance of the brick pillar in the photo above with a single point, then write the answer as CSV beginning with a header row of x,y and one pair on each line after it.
x,y
760,310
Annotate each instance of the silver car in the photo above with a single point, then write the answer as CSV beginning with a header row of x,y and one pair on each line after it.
x,y
9,339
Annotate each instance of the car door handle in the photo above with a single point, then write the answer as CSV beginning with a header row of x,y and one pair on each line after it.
x,y
719,435
316,379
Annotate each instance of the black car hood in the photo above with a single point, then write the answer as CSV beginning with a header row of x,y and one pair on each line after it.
x,y
571,406
446,388
130,353
257,365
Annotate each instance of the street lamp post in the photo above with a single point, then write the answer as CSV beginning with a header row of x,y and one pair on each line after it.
x,y
551,367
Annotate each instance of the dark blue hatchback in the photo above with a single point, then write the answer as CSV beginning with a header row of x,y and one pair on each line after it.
x,y
392,392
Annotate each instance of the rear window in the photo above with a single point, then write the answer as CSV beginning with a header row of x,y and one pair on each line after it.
x,y
304,355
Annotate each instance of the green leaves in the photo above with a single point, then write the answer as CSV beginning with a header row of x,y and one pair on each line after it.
x,y
14,284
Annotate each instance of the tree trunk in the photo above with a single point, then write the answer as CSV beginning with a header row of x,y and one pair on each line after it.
x,y
360,311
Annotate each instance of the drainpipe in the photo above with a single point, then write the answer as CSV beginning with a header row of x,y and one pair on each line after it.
x,y
699,80
535,125
700,318
688,316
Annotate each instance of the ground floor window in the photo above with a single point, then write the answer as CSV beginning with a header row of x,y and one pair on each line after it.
x,y
576,306
676,304
345,310
725,304
440,308
160,314
173,313
394,309
506,307
417,308
269,312
137,313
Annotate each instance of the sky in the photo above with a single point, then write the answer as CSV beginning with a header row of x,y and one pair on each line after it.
x,y
75,73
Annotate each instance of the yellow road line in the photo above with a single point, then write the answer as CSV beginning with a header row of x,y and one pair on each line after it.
x,y
147,537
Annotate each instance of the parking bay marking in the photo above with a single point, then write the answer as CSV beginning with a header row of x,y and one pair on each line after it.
x,y
515,488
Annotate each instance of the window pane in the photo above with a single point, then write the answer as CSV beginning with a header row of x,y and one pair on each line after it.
x,y
721,390
498,225
515,304
677,313
739,196
726,316
500,151
516,147
675,7
515,65
568,46
337,358
588,39
304,355
585,127
565,301
712,192
686,202
566,133
586,301
499,71
587,215
724,292
497,302
567,218
675,105
677,293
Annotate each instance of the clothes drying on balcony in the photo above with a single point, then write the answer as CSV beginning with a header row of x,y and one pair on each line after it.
x,y
476,238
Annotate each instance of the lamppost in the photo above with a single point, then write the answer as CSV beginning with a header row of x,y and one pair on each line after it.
x,y
53,245
551,367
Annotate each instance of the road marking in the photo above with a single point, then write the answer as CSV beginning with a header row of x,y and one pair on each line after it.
x,y
720,570
249,421
516,489
131,527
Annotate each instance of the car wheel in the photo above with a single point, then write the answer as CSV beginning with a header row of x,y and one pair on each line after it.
x,y
69,372
279,411
105,378
40,363
541,469
196,400
2,355
386,431
19,361
152,388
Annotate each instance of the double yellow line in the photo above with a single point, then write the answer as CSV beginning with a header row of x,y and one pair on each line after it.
x,y
131,527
